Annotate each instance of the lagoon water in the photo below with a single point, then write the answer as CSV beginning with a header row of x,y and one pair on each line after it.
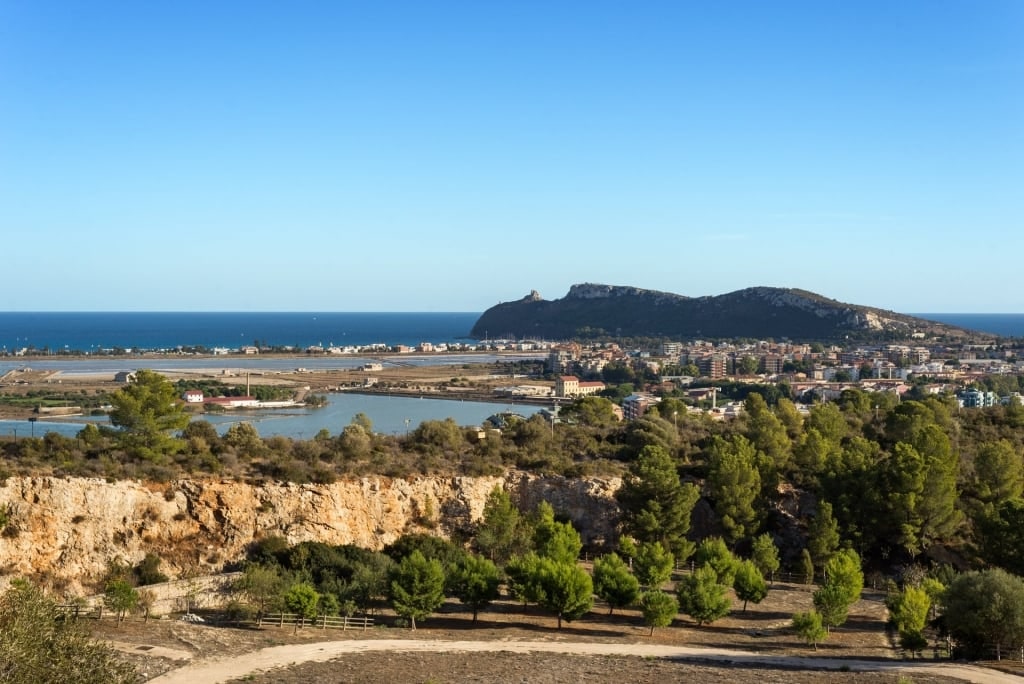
x,y
388,413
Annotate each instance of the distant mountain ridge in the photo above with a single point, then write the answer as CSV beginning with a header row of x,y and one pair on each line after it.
x,y
591,310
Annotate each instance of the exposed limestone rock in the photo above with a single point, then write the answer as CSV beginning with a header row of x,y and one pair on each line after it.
x,y
65,531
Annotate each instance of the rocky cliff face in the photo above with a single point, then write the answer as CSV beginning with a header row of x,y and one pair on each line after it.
x,y
64,531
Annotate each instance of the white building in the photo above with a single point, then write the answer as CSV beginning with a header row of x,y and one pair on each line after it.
x,y
193,396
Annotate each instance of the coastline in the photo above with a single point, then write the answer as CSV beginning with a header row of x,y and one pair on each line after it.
x,y
450,396
64,378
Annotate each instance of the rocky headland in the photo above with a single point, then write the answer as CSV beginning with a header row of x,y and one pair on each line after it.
x,y
592,310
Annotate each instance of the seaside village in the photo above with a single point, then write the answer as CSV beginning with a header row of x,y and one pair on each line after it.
x,y
693,371
812,372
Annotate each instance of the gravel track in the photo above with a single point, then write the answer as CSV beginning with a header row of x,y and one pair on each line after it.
x,y
226,669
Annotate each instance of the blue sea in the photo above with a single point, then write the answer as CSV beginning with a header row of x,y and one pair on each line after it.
x,y
1003,324
95,331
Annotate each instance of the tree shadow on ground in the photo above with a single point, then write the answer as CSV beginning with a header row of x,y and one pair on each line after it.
x,y
577,628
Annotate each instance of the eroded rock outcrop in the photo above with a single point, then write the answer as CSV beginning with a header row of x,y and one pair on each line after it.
x,y
65,531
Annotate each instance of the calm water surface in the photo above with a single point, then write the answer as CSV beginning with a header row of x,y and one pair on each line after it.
x,y
389,416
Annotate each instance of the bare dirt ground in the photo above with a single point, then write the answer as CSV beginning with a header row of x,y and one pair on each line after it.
x,y
503,647
552,668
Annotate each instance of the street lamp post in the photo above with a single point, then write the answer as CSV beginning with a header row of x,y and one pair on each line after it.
x,y
675,420
554,416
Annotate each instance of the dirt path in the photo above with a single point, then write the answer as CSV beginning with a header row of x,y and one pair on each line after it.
x,y
219,670
154,651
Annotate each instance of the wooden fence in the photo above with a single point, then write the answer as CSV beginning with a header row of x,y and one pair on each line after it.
x,y
75,611
321,621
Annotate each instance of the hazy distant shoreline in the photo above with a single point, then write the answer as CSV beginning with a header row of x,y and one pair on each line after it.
x,y
95,331
268,363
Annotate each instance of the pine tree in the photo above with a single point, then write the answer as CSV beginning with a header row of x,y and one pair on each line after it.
x,y
822,535
567,590
806,566
476,583
713,553
523,574
808,626
765,555
734,484
656,505
910,610
501,532
905,479
417,587
653,565
614,583
749,584
147,413
1001,536
813,454
558,541
768,436
658,608
998,473
843,584
828,420
937,508
702,597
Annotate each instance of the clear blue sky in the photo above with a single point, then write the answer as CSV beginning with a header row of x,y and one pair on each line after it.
x,y
443,156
